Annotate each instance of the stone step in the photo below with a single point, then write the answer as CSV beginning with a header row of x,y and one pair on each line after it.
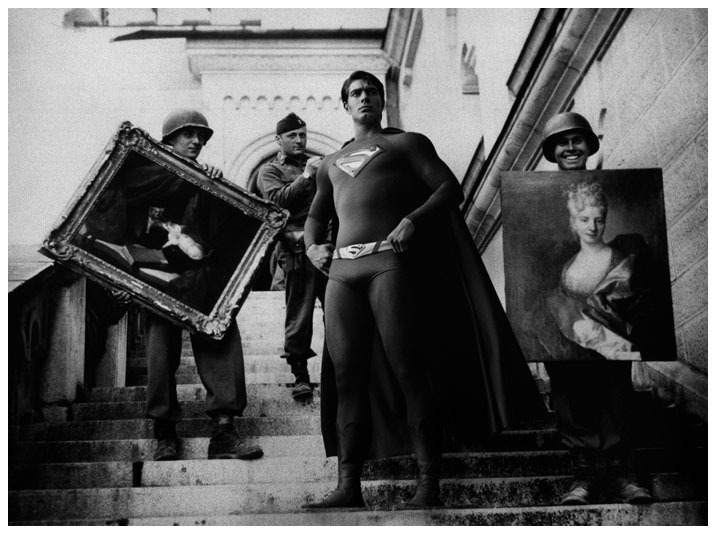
x,y
260,341
266,401
274,400
297,468
121,448
139,378
141,371
253,364
258,304
265,312
509,440
256,392
284,377
114,481
138,393
261,321
273,320
266,370
221,500
72,475
262,305
263,344
689,513
143,449
270,470
143,428
272,326
263,400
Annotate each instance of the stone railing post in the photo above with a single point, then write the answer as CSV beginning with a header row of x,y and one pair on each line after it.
x,y
63,371
112,368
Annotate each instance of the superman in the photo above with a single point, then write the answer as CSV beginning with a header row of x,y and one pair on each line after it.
x,y
422,357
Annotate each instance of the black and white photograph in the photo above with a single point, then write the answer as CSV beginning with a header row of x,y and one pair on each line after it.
x,y
319,266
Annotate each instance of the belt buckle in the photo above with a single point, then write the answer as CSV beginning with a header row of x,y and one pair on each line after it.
x,y
353,251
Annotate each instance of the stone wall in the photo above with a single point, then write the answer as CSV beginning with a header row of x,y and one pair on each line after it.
x,y
647,96
248,85
439,97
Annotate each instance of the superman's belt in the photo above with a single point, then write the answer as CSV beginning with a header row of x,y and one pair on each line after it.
x,y
351,252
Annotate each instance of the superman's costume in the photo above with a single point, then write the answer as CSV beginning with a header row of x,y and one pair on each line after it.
x,y
419,342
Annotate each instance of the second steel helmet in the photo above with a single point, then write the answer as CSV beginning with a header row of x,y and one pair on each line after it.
x,y
564,122
184,118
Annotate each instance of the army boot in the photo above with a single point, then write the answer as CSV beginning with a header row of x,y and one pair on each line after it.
x,y
302,389
225,443
167,441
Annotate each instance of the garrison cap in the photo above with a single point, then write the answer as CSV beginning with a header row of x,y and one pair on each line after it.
x,y
288,123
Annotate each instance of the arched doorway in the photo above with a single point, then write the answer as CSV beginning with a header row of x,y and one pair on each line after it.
x,y
245,165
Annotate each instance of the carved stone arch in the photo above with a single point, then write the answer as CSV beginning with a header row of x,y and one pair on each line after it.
x,y
263,147
295,104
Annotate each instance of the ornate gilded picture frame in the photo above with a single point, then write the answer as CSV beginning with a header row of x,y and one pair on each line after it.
x,y
586,265
151,223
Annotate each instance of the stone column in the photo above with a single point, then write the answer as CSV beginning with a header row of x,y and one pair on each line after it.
x,y
63,371
112,368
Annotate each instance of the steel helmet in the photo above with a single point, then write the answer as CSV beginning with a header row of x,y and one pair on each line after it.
x,y
183,118
563,122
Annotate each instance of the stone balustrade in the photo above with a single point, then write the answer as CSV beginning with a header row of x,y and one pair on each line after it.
x,y
46,339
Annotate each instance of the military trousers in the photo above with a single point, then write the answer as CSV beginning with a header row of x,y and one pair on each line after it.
x,y
303,285
219,364
593,405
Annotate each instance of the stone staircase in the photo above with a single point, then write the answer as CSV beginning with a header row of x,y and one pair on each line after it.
x,y
96,469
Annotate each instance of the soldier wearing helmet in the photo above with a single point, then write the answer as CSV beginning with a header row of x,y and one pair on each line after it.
x,y
219,362
591,399
187,131
569,141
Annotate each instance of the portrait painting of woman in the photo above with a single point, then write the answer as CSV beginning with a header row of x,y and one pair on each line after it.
x,y
604,296
586,265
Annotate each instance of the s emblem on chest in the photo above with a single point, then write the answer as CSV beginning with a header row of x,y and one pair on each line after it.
x,y
354,162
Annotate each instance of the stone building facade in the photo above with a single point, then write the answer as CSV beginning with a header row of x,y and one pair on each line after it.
x,y
648,95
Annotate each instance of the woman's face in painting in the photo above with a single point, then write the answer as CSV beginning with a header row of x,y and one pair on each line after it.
x,y
589,224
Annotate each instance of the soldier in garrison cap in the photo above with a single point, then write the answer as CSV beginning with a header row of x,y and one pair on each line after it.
x,y
289,181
